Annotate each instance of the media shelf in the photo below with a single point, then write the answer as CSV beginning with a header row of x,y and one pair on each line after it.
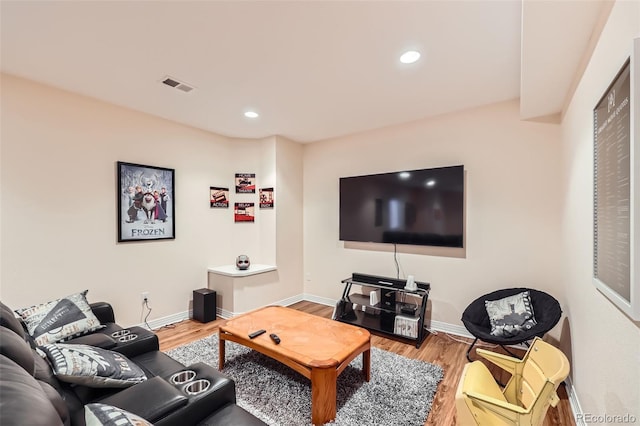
x,y
395,311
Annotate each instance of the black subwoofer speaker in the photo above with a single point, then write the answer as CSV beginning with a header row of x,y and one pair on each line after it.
x,y
204,305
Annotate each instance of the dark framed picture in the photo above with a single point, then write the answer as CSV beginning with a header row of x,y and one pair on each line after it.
x,y
146,200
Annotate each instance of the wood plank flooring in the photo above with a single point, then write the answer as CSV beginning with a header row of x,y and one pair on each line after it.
x,y
442,349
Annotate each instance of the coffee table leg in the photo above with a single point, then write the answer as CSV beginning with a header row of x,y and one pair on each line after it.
x,y
366,364
221,343
323,395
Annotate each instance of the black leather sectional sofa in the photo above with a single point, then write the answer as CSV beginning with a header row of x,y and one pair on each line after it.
x,y
172,394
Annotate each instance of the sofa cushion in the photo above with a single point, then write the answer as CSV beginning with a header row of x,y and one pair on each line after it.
x,y
106,415
511,315
99,340
8,319
57,401
155,400
93,367
17,349
60,319
23,400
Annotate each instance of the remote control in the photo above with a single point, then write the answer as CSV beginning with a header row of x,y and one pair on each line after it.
x,y
256,333
275,338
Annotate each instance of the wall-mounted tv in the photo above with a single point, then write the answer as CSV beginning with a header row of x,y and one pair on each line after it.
x,y
416,207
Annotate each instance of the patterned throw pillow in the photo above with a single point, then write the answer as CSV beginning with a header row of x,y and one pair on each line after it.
x,y
106,415
511,315
60,319
91,366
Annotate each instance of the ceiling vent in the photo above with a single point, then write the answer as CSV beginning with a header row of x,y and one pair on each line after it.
x,y
176,84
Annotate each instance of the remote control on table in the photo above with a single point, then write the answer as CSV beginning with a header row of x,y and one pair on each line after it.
x,y
275,338
256,333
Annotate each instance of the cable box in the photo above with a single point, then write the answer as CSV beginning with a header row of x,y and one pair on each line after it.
x,y
408,308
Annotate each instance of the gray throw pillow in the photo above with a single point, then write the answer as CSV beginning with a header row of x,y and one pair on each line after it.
x,y
60,319
510,316
97,414
91,366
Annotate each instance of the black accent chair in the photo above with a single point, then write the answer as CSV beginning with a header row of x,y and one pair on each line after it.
x,y
546,311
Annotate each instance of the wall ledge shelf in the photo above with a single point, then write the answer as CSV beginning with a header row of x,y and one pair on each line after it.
x,y
233,271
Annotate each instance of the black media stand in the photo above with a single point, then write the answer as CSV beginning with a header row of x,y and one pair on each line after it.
x,y
395,311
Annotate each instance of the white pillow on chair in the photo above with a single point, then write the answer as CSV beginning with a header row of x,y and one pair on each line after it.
x,y
511,315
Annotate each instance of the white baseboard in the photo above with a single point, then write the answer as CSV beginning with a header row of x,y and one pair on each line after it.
x,y
225,314
457,330
170,319
576,409
320,300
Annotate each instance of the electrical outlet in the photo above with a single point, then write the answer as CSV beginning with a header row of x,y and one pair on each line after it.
x,y
144,296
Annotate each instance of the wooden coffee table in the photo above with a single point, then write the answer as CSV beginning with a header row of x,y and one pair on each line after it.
x,y
318,348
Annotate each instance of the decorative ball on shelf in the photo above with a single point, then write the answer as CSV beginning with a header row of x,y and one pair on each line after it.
x,y
242,262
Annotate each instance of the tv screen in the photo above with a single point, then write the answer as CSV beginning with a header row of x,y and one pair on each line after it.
x,y
416,207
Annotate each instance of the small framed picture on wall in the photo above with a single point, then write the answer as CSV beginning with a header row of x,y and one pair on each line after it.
x,y
244,212
266,198
245,183
218,197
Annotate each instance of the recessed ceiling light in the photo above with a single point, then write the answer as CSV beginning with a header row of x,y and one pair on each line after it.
x,y
404,175
431,182
410,57
251,114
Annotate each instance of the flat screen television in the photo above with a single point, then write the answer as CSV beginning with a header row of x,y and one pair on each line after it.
x,y
416,207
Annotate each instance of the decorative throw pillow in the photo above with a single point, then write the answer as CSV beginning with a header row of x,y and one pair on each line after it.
x,y
106,415
91,366
511,315
60,319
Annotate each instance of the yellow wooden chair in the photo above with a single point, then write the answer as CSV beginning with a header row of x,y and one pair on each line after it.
x,y
526,397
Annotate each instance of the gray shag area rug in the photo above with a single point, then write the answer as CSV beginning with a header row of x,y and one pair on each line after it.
x,y
400,392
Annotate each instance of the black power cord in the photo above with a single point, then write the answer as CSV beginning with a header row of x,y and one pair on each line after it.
x,y
395,258
145,304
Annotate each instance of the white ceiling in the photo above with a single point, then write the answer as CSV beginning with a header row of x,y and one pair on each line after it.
x,y
312,69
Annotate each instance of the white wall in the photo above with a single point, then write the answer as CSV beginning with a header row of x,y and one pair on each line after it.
x,y
604,343
58,222
512,205
289,201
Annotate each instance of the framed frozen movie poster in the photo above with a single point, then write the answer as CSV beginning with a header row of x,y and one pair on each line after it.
x,y
245,183
146,199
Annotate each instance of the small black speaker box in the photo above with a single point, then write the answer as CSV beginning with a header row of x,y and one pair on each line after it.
x,y
204,305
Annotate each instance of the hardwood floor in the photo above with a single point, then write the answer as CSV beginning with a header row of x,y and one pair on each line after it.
x,y
442,349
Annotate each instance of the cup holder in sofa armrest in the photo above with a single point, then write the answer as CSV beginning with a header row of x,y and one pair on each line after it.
x,y
218,391
127,337
130,346
119,333
182,377
197,387
152,399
